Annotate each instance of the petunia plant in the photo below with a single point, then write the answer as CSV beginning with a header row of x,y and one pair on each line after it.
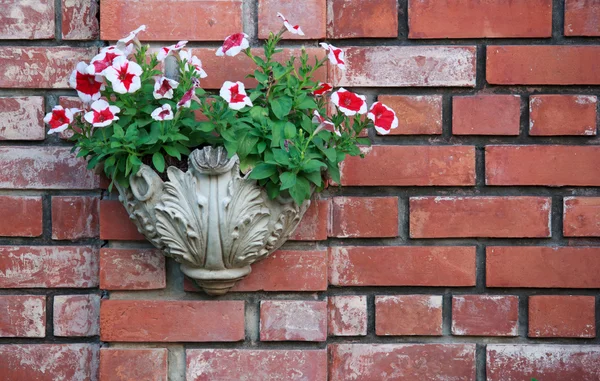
x,y
289,130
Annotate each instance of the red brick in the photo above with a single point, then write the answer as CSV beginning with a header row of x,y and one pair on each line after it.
x,y
310,15
562,316
22,118
115,224
544,362
445,217
76,315
313,226
407,66
256,364
22,316
543,267
581,217
486,115
134,364
213,20
44,168
75,217
347,315
362,18
48,267
543,65
134,269
364,217
21,216
402,266
417,114
79,19
475,18
411,165
293,320
582,18
48,67
542,165
562,115
22,20
402,362
408,315
485,315
171,321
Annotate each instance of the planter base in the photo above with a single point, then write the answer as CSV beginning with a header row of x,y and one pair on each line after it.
x,y
215,282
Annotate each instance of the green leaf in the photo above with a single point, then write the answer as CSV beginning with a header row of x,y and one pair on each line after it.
x,y
245,145
272,190
172,151
205,126
288,180
278,71
159,162
313,166
118,131
263,171
260,76
300,191
281,157
277,134
261,147
307,103
334,172
314,177
281,106
289,131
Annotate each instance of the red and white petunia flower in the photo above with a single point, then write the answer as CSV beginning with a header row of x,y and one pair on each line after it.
x,y
60,118
322,89
88,86
336,55
165,51
234,44
235,94
162,113
383,117
186,99
103,60
193,62
132,36
124,75
349,103
102,114
295,29
163,88
324,123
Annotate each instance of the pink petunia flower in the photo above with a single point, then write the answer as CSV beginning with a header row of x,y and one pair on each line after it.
x,y
60,118
235,94
234,44
323,123
88,86
162,113
132,36
336,55
163,88
349,103
103,60
295,29
164,52
322,89
192,61
102,114
383,117
186,99
124,75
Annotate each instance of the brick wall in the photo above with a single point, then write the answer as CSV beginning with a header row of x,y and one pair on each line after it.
x,y
464,247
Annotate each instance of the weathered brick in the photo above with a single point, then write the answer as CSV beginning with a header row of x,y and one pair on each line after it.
x,y
76,315
362,18
134,269
80,19
417,114
402,266
542,165
49,362
313,226
486,115
347,315
562,316
169,321
256,364
293,320
24,20
22,216
581,217
47,67
118,364
48,267
310,15
364,217
542,362
402,362
115,223
22,316
562,115
582,18
543,267
75,217
543,65
485,315
412,165
445,217
22,118
408,315
474,18
406,66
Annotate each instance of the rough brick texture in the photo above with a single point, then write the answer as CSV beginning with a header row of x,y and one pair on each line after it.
x,y
417,114
79,19
21,216
309,14
74,217
562,115
408,315
366,217
133,364
22,118
562,316
134,269
22,20
76,315
581,18
486,115
362,18
22,316
347,315
485,315
581,217
293,321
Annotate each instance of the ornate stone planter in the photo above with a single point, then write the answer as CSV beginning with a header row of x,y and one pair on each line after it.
x,y
210,219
